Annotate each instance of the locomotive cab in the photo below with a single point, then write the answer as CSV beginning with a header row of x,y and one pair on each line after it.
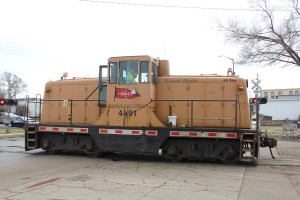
x,y
141,93
130,92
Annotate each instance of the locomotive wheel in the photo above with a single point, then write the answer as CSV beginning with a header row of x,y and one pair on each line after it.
x,y
95,153
229,157
92,150
51,151
230,162
47,146
172,152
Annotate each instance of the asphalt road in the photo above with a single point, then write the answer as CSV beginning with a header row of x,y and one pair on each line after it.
x,y
36,175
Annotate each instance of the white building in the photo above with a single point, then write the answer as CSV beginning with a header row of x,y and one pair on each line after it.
x,y
33,106
282,104
281,109
275,93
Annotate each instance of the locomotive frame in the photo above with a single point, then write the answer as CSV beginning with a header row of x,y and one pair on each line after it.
x,y
131,118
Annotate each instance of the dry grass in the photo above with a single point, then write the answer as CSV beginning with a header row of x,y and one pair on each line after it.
x,y
277,131
11,130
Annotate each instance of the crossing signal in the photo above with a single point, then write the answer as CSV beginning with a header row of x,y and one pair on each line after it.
x,y
262,100
8,102
2,102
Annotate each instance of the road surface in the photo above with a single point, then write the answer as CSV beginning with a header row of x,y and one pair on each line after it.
x,y
36,175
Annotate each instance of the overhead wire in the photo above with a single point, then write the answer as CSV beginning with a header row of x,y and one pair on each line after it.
x,y
179,6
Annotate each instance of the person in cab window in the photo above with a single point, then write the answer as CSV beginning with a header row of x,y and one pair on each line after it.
x,y
131,76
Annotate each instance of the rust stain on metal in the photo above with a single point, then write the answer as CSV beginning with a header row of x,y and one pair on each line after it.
x,y
44,182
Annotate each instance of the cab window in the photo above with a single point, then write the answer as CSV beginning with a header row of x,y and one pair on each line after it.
x,y
113,73
154,73
144,71
128,73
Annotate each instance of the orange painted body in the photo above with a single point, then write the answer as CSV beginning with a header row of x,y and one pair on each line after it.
x,y
196,101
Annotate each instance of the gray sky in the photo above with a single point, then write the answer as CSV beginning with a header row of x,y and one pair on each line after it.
x,y
42,39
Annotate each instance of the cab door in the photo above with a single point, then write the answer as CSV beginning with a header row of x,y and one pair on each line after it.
x,y
129,91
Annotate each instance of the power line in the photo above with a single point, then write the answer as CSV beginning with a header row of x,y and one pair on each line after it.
x,y
178,6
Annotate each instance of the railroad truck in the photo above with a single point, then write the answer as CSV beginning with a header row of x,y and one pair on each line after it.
x,y
135,106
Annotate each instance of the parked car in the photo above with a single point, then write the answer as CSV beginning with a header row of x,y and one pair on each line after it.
x,y
30,120
6,113
1,117
17,122
4,118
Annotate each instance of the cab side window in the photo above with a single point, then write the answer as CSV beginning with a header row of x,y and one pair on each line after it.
x,y
144,71
154,73
113,73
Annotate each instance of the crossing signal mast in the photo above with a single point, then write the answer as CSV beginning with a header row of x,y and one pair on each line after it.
x,y
257,100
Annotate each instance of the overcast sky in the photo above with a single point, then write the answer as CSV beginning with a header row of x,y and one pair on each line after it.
x,y
42,39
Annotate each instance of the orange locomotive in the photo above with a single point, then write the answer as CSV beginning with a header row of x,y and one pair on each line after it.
x,y
136,106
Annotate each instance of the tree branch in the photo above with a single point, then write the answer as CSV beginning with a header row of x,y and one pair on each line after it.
x,y
264,41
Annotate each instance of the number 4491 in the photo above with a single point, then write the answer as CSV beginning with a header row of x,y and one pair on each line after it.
x,y
127,113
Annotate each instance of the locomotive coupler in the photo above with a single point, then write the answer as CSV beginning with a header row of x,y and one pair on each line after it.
x,y
268,142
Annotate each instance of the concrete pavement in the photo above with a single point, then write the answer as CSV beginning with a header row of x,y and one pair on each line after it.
x,y
42,176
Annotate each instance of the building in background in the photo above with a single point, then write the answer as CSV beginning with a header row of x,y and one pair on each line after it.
x,y
282,104
280,93
33,106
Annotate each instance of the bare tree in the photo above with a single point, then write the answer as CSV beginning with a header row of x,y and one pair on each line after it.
x,y
2,93
268,41
11,85
21,110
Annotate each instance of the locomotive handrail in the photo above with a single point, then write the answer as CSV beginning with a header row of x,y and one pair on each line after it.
x,y
95,90
214,118
191,119
71,104
68,100
37,107
38,97
213,100
204,100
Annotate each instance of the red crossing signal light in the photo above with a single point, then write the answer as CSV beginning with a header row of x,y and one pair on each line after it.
x,y
262,100
2,102
8,102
